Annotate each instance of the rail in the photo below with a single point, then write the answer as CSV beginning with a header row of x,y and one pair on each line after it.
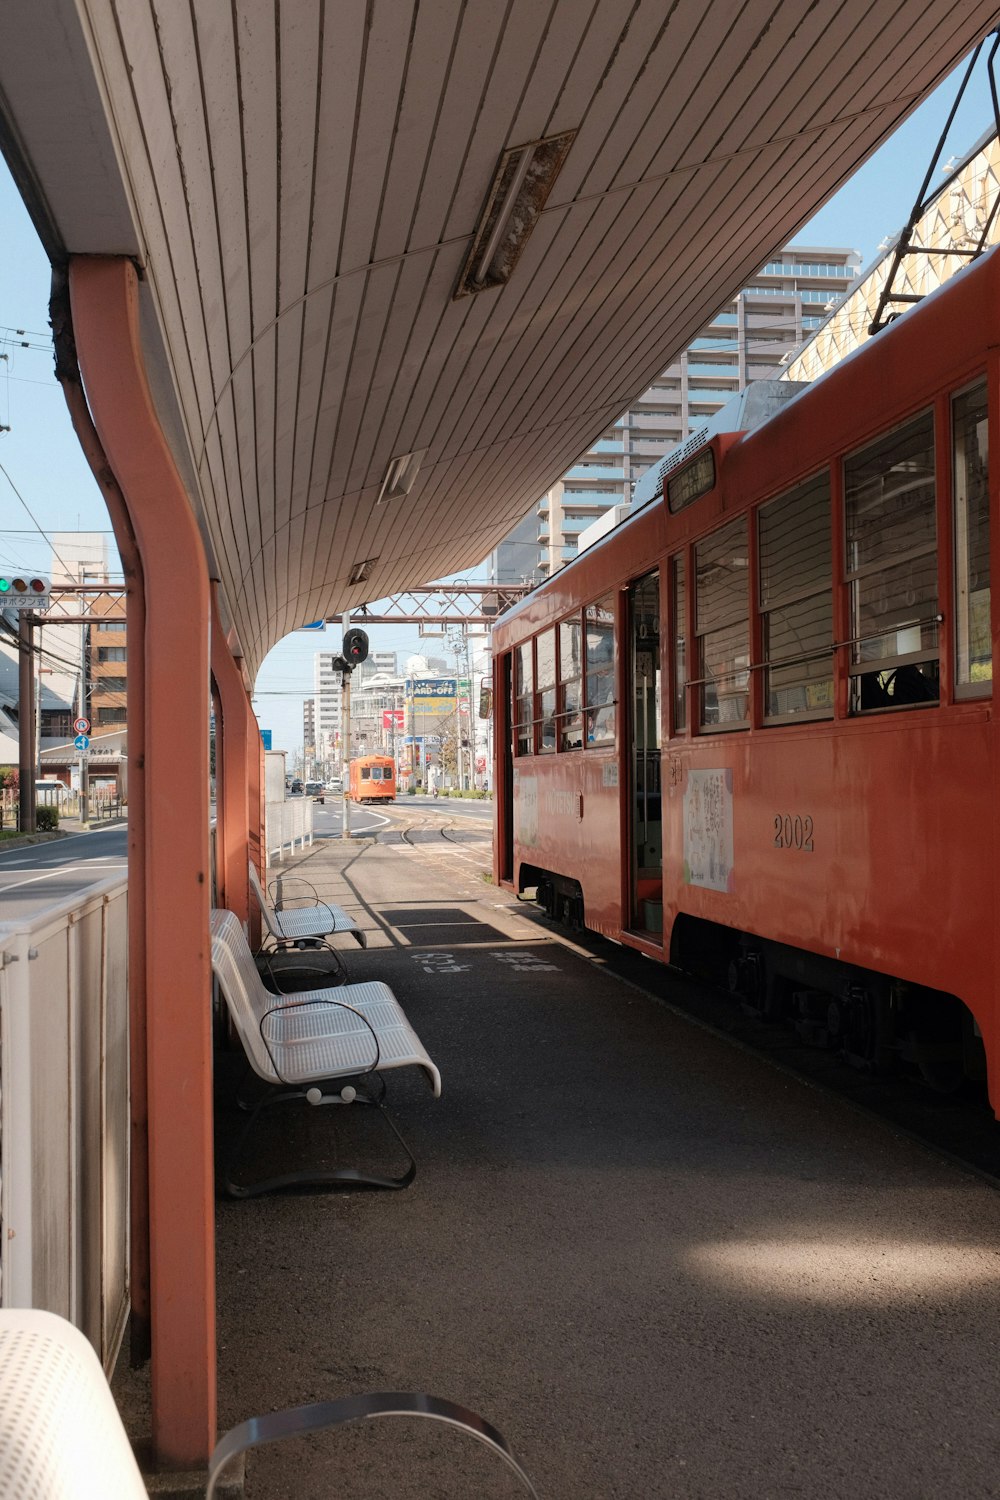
x,y
286,824
64,1113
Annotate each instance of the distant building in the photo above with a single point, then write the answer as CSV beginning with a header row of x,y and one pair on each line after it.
x,y
328,710
746,340
954,221
82,669
379,663
309,730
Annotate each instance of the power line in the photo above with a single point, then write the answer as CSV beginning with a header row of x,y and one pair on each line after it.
x,y
17,492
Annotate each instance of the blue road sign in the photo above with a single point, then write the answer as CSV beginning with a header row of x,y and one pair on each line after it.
x,y
82,742
265,735
314,625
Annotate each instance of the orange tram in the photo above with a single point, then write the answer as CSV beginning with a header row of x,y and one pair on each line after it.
x,y
754,724
372,779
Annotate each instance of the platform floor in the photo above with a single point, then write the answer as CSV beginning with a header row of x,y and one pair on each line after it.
x,y
660,1266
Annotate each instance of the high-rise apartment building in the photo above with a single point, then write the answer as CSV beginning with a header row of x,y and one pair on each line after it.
x,y
309,729
327,724
746,340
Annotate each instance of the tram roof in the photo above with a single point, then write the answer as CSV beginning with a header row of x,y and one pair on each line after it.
x,y
305,186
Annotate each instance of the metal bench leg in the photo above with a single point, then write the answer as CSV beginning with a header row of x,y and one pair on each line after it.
x,y
322,1416
335,974
312,1177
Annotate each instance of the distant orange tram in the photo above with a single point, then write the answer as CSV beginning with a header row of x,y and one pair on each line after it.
x,y
373,779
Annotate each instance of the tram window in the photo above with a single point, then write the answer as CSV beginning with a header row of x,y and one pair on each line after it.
x,y
678,595
524,679
892,568
723,625
974,656
545,675
599,628
366,773
796,602
570,683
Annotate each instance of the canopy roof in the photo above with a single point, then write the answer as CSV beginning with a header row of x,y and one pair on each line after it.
x,y
304,184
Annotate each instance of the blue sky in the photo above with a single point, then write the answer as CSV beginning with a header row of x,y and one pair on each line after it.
x,y
41,458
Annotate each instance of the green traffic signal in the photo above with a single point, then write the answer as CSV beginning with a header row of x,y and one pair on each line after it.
x,y
13,584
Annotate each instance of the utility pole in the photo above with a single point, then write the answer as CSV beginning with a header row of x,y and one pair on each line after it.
x,y
83,714
26,721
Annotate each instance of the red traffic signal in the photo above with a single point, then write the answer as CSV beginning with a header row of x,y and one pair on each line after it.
x,y
10,584
355,647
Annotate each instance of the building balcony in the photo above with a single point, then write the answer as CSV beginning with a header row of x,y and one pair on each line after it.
x,y
698,397
721,371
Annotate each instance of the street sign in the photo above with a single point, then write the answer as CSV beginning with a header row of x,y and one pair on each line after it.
x,y
81,742
81,725
314,625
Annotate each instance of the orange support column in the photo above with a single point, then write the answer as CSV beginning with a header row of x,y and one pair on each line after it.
x,y
104,302
233,779
256,813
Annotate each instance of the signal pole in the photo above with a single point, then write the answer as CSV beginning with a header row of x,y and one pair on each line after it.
x,y
26,721
345,690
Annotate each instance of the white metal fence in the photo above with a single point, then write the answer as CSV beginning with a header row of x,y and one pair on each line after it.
x,y
286,824
104,802
64,1113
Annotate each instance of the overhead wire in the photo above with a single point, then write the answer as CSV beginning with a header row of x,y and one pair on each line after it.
x,y
62,561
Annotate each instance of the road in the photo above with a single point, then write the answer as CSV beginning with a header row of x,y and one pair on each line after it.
x,y
34,877
38,875
368,820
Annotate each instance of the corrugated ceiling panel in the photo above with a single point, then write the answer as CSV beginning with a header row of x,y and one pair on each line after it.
x,y
272,155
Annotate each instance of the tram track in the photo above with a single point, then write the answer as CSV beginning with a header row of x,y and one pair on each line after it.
x,y
408,822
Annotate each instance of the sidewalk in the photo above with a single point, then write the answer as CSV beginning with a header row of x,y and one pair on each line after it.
x,y
659,1266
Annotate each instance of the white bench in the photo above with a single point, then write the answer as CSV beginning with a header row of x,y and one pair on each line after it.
x,y
316,922
302,1045
61,1437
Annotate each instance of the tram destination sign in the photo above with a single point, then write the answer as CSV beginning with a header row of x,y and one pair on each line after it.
x,y
690,483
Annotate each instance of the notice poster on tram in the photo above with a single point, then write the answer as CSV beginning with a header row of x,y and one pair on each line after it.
x,y
526,808
708,830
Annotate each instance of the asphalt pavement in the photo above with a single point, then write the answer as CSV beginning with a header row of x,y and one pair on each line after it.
x,y
34,876
660,1265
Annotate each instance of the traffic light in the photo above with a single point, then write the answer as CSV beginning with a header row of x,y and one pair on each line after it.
x,y
355,647
13,586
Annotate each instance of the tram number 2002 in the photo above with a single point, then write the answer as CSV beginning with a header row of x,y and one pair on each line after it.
x,y
793,832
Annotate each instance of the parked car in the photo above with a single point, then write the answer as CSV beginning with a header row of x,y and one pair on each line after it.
x,y
316,789
296,788
50,793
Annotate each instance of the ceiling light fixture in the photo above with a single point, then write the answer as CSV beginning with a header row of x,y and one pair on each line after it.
x,y
362,571
521,184
399,475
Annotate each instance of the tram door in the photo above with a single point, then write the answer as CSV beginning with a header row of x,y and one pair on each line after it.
x,y
645,813
504,792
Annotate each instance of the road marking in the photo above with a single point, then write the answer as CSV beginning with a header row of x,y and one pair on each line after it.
x,y
95,833
439,963
521,961
48,874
